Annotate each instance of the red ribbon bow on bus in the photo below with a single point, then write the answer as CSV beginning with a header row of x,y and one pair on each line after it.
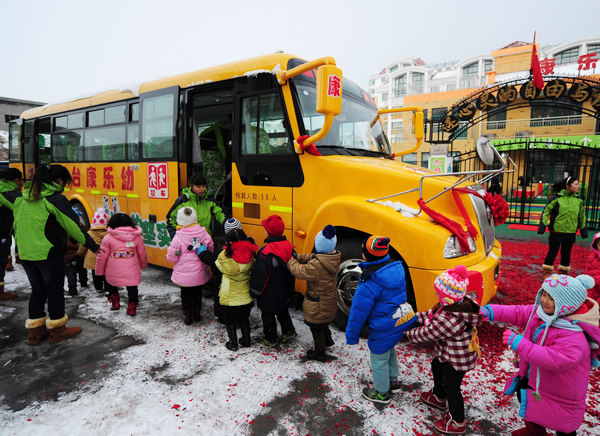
x,y
308,148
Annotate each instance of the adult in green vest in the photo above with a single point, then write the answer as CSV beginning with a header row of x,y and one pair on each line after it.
x,y
11,184
198,198
563,216
44,219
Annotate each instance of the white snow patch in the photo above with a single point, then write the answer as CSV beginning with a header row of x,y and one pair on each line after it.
x,y
405,210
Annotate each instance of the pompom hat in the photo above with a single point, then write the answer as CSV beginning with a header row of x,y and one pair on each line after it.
x,y
326,240
274,225
100,218
232,224
186,216
451,285
568,292
375,248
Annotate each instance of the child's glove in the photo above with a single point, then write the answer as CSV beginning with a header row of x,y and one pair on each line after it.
x,y
584,233
200,249
511,339
177,252
487,312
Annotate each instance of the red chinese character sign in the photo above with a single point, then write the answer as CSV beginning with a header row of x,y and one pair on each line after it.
x,y
158,180
334,86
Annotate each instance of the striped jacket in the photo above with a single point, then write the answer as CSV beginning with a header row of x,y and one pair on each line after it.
x,y
451,330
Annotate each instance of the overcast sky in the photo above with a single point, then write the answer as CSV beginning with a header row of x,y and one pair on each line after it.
x,y
54,50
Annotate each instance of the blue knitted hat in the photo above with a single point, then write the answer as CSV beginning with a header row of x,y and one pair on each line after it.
x,y
325,241
231,224
568,292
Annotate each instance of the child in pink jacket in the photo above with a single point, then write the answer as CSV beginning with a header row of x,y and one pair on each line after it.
x,y
556,351
121,258
188,270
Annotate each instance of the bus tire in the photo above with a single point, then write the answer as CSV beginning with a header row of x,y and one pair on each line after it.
x,y
82,213
347,281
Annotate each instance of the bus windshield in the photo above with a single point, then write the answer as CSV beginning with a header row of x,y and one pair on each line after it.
x,y
350,133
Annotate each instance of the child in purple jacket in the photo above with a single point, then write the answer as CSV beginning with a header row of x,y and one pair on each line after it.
x,y
189,271
556,351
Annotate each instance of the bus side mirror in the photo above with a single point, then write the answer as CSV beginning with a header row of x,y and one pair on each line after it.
x,y
329,90
418,125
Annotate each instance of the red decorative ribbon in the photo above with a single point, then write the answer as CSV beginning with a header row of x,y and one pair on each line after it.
x,y
454,227
308,148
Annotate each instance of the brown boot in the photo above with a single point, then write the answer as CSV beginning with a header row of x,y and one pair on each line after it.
x,y
547,270
58,330
6,295
564,270
9,264
37,330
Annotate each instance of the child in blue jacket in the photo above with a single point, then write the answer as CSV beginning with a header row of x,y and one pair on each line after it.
x,y
380,300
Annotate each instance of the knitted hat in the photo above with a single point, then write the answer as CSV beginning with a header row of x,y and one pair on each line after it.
x,y
375,247
186,216
451,285
567,292
231,224
100,218
326,240
274,225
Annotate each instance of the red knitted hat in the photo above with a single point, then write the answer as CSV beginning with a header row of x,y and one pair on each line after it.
x,y
274,225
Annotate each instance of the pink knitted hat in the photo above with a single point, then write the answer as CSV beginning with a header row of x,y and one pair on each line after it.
x,y
100,218
451,285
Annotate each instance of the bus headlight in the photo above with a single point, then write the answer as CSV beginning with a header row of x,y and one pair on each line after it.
x,y
452,248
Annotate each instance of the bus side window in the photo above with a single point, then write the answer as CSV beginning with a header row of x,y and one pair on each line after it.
x,y
158,126
263,128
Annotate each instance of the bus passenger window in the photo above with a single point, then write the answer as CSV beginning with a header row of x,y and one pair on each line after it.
x,y
157,126
67,147
263,126
105,144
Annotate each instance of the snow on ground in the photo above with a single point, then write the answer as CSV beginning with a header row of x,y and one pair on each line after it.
x,y
182,380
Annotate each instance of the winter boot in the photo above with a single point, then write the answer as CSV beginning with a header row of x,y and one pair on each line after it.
x,y
59,331
564,269
245,341
232,344
37,330
196,313
547,270
328,339
317,354
6,295
131,308
447,425
9,264
530,429
187,317
114,299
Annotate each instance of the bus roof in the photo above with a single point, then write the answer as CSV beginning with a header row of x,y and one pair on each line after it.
x,y
271,63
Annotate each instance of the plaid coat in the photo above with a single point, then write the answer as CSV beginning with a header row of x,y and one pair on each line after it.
x,y
451,330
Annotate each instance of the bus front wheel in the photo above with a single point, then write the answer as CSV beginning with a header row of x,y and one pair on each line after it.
x,y
347,280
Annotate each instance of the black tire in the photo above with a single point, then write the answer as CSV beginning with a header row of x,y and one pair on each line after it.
x,y
84,219
347,281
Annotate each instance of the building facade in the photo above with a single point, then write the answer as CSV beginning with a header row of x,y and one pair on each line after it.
x,y
550,133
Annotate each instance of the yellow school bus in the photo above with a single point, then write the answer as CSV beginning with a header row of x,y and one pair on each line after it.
x,y
240,123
